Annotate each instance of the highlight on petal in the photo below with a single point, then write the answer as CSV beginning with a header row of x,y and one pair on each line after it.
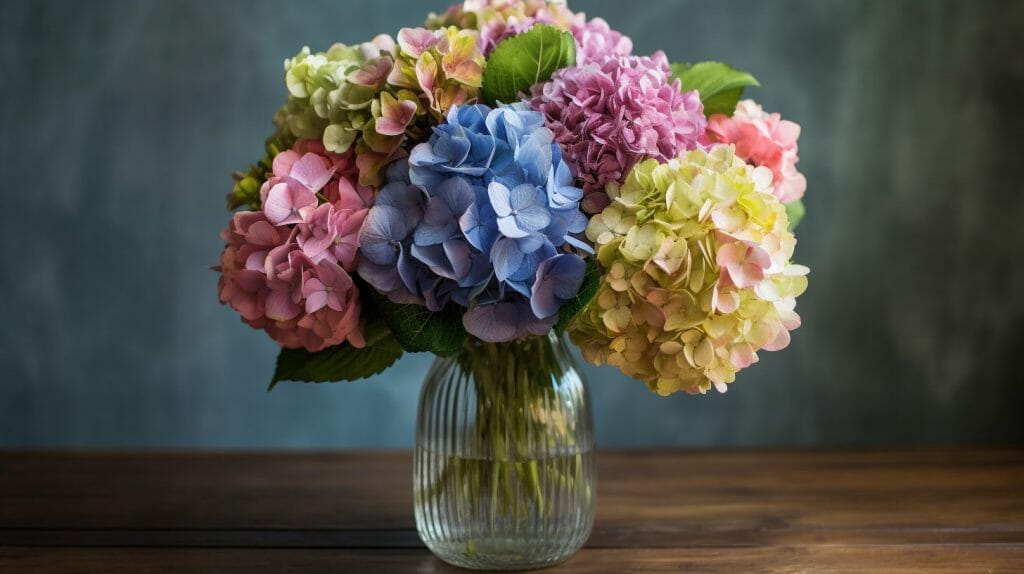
x,y
501,199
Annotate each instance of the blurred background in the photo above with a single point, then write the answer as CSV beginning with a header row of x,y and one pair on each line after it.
x,y
120,123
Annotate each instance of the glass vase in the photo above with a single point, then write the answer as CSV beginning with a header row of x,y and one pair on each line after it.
x,y
504,467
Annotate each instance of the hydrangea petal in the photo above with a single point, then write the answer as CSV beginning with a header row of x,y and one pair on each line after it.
x,y
558,280
415,41
313,171
507,257
289,203
494,323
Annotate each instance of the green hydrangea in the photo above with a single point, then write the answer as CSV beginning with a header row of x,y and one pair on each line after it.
x,y
697,273
346,97
373,98
322,103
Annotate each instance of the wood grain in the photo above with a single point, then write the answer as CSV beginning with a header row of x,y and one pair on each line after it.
x,y
893,559
739,511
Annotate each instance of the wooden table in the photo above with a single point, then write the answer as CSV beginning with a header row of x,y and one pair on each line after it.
x,y
723,512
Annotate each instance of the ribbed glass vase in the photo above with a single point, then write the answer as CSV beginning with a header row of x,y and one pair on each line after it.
x,y
504,468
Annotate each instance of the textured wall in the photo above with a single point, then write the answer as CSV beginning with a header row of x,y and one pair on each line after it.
x,y
120,122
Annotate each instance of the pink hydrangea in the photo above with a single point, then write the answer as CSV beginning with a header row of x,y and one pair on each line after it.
x,y
304,170
596,41
286,269
763,139
609,115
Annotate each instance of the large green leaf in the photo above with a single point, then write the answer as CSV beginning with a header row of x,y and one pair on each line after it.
x,y
569,311
720,85
795,212
526,59
419,329
341,362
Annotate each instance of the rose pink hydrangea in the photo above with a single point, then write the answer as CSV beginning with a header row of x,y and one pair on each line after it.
x,y
609,115
763,139
286,269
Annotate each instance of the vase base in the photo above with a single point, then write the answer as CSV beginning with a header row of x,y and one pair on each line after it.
x,y
506,555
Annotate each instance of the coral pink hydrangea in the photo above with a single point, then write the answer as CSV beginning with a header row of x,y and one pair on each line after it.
x,y
607,116
286,269
763,139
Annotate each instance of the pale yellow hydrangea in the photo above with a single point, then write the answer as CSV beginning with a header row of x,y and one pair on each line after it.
x,y
697,275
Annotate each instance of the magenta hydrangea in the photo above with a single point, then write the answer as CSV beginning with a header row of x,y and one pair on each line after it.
x,y
609,115
287,268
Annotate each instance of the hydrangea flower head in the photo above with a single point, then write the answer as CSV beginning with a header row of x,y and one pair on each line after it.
x,y
609,115
698,277
287,268
481,216
763,139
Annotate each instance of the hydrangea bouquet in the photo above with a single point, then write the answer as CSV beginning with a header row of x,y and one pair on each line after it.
x,y
507,173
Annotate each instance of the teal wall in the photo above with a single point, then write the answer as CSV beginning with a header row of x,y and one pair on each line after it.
x,y
120,122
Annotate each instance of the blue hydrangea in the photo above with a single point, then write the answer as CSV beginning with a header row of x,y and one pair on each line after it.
x,y
485,215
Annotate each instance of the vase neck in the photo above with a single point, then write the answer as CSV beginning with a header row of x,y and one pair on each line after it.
x,y
533,361
537,344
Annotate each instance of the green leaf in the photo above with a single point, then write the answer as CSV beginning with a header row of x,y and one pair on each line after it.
x,y
526,59
569,311
795,212
720,85
339,363
419,329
